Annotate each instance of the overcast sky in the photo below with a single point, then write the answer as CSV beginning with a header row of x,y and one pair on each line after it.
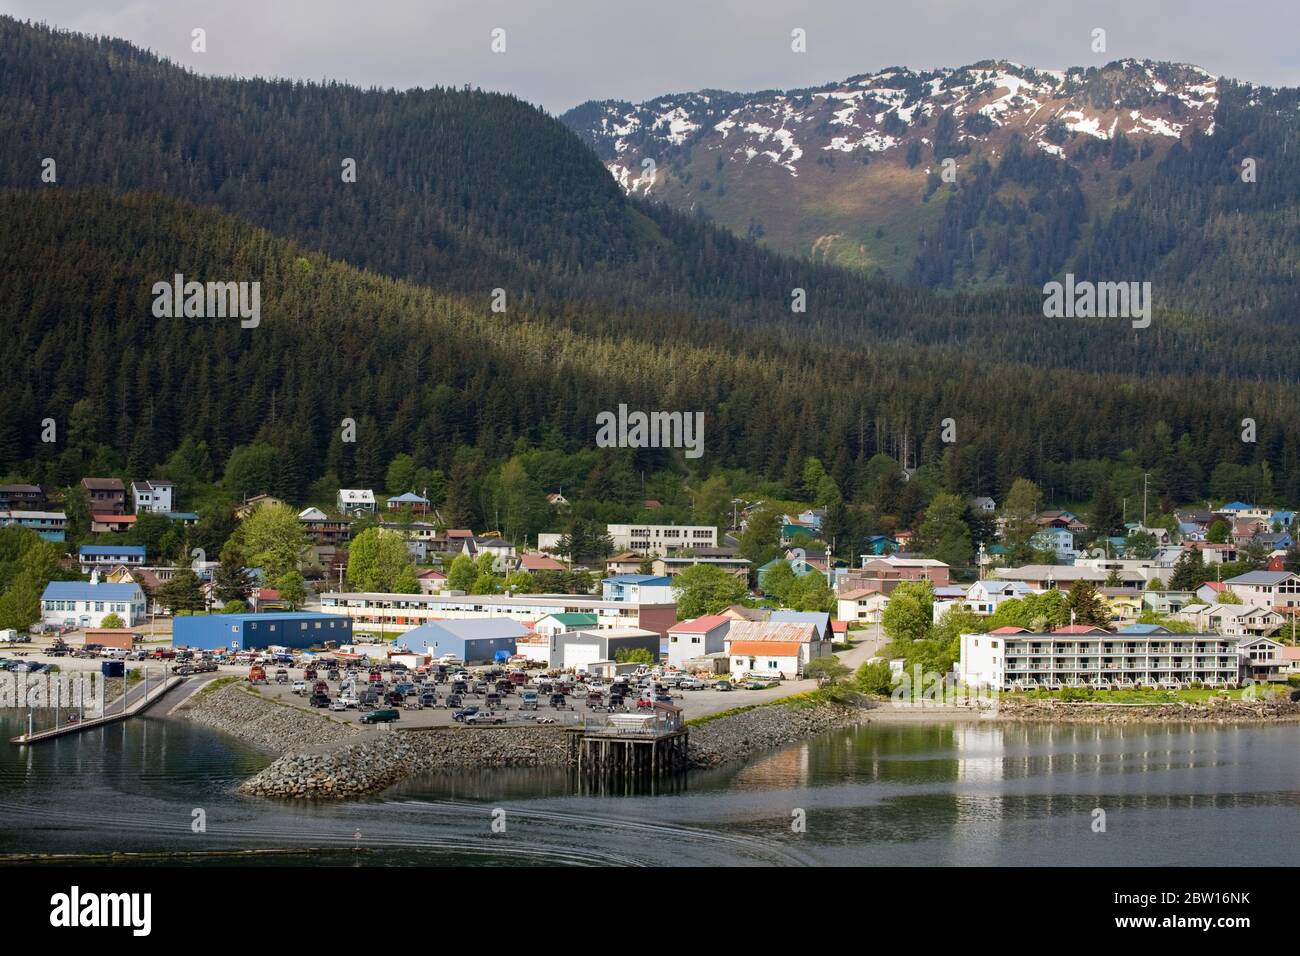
x,y
562,52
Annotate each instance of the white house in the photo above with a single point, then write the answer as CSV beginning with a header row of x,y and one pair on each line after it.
x,y
983,597
770,650
154,495
1263,659
1238,620
1269,588
861,605
83,604
356,501
565,621
695,638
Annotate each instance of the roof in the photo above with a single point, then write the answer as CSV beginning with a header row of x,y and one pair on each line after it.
x,y
409,497
85,591
1236,506
312,514
153,484
1080,629
1266,578
107,550
788,632
104,484
638,579
1143,629
104,518
819,619
430,573
700,625
1010,630
575,619
1213,585
488,628
857,593
769,648
361,495
539,562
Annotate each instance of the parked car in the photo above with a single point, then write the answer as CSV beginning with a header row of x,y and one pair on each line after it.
x,y
485,717
320,700
454,700
528,700
722,685
282,676
385,716
299,687
559,701
339,704
428,699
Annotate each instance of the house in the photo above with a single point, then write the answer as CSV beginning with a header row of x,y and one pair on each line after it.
x,y
503,552
1238,620
861,605
1046,577
471,642
565,621
532,562
773,649
1291,658
1139,656
660,539
982,504
431,580
818,619
556,500
1269,588
638,588
410,500
104,495
983,597
1058,540
323,530
102,557
111,523
578,649
246,632
696,638
1262,659
880,544
254,503
154,495
1122,604
187,518
884,574
1208,593
1167,602
800,566
21,497
82,604
355,501
738,612
625,562
50,525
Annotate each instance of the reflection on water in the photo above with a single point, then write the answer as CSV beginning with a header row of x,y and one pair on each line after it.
x,y
974,793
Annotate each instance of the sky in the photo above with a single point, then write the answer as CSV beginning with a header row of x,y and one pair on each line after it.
x,y
559,53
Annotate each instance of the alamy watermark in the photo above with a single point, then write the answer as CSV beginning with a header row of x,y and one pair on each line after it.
x,y
931,689
1098,300
208,300
626,429
80,692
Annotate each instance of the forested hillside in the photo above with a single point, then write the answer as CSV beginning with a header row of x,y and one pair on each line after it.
x,y
376,307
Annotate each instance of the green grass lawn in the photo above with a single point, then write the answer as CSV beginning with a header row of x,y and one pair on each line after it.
x,y
1191,695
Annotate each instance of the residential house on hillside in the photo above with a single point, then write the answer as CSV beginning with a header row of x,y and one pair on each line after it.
x,y
638,588
50,525
983,597
503,552
884,574
818,619
153,496
1058,540
416,503
532,562
564,621
254,503
355,501
880,544
102,557
431,581
556,500
1208,593
1237,620
982,504
1267,588
1263,659
21,498
104,495
725,558
738,612
862,606
111,523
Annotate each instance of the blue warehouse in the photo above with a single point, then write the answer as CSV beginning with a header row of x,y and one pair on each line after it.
x,y
246,632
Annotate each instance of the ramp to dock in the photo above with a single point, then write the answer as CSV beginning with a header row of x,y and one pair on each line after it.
x,y
118,710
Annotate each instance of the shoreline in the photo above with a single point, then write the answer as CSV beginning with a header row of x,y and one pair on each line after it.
x,y
323,759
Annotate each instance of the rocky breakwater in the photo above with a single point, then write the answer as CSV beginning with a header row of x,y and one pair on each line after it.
x,y
388,756
1215,710
237,710
741,735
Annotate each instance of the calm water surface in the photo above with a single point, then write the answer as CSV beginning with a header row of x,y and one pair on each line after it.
x,y
875,795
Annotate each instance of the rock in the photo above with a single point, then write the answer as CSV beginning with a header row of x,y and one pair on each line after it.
x,y
742,735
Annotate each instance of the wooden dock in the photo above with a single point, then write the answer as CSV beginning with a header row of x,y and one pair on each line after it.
x,y
110,716
630,752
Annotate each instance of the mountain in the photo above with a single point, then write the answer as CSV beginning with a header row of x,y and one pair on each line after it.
x,y
1128,171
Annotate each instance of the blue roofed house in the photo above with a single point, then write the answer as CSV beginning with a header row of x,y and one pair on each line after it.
x,y
108,556
418,504
638,589
879,544
86,604
469,641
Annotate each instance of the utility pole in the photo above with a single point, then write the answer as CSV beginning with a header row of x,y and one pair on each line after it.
x,y
1145,476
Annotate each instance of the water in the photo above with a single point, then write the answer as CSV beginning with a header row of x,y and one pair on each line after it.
x,y
958,794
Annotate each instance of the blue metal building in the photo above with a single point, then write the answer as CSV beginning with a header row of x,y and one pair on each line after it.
x,y
242,632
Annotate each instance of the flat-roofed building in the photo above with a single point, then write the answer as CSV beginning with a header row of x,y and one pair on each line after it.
x,y
400,612
1139,656
661,539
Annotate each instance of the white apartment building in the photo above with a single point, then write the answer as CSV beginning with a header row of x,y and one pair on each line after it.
x,y
1141,656
1268,588
659,539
